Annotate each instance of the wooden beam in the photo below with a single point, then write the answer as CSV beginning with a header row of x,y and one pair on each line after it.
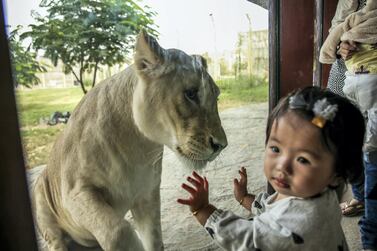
x,y
274,52
329,8
318,41
274,59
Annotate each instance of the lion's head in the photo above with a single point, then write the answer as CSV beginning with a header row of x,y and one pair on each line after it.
x,y
175,102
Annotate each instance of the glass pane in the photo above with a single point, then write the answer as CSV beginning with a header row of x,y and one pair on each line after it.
x,y
231,36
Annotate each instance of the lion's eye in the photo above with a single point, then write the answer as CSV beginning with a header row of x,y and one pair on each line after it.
x,y
192,95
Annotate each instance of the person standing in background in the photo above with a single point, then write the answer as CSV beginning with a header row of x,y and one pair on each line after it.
x,y
354,55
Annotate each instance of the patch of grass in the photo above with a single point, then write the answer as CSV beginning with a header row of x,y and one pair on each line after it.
x,y
34,105
238,92
38,142
41,103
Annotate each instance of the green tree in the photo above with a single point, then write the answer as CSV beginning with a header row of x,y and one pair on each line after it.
x,y
24,64
84,34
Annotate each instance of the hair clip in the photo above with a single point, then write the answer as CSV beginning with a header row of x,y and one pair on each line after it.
x,y
298,102
323,111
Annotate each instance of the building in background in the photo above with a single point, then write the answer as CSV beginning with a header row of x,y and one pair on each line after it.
x,y
249,58
258,49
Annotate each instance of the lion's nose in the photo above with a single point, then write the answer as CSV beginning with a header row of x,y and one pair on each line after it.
x,y
216,145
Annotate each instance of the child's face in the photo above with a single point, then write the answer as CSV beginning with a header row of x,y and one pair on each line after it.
x,y
296,161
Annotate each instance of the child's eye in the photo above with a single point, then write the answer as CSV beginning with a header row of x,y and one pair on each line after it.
x,y
302,160
274,149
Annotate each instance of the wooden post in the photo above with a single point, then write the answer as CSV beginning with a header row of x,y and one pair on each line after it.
x,y
274,52
329,8
318,41
274,61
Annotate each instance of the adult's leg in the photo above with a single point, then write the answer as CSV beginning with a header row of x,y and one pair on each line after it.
x,y
355,206
368,223
367,100
358,189
335,84
351,91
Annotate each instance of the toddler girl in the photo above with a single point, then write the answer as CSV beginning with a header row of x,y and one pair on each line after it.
x,y
314,140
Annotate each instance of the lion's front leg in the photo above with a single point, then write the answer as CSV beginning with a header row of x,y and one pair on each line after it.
x,y
89,210
45,216
147,215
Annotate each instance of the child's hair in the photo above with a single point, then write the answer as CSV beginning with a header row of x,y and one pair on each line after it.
x,y
343,135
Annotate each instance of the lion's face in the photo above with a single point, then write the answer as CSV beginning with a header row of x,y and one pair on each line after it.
x,y
175,103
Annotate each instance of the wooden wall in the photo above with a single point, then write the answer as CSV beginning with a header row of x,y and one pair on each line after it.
x,y
329,7
294,31
296,44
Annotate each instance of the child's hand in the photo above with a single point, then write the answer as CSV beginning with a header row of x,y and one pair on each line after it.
x,y
198,193
240,186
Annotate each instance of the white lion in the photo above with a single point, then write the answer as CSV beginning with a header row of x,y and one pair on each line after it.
x,y
108,159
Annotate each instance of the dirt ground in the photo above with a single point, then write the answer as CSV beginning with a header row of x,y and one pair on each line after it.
x,y
245,129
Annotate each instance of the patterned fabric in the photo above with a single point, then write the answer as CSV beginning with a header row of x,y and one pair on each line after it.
x,y
338,69
337,77
290,224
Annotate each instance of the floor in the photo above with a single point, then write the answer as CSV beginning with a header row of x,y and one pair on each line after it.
x,y
350,227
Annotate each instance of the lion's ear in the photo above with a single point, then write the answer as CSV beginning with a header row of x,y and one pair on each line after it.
x,y
149,55
201,60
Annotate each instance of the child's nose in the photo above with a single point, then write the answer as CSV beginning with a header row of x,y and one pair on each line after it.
x,y
284,164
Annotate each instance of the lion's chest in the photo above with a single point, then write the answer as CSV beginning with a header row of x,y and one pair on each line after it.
x,y
131,184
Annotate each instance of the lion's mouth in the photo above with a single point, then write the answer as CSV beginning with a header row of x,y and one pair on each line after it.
x,y
191,157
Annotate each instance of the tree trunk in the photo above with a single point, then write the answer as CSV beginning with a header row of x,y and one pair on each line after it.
x,y
79,79
83,87
95,74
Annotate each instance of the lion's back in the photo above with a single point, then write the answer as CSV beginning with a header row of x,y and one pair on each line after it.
x,y
90,127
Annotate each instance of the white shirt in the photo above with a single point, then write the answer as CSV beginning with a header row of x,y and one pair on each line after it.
x,y
288,224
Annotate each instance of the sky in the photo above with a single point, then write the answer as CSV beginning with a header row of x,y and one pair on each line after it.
x,y
195,26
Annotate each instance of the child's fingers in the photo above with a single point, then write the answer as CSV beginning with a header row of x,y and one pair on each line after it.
x,y
184,202
198,177
243,169
235,182
193,181
189,189
205,184
243,176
